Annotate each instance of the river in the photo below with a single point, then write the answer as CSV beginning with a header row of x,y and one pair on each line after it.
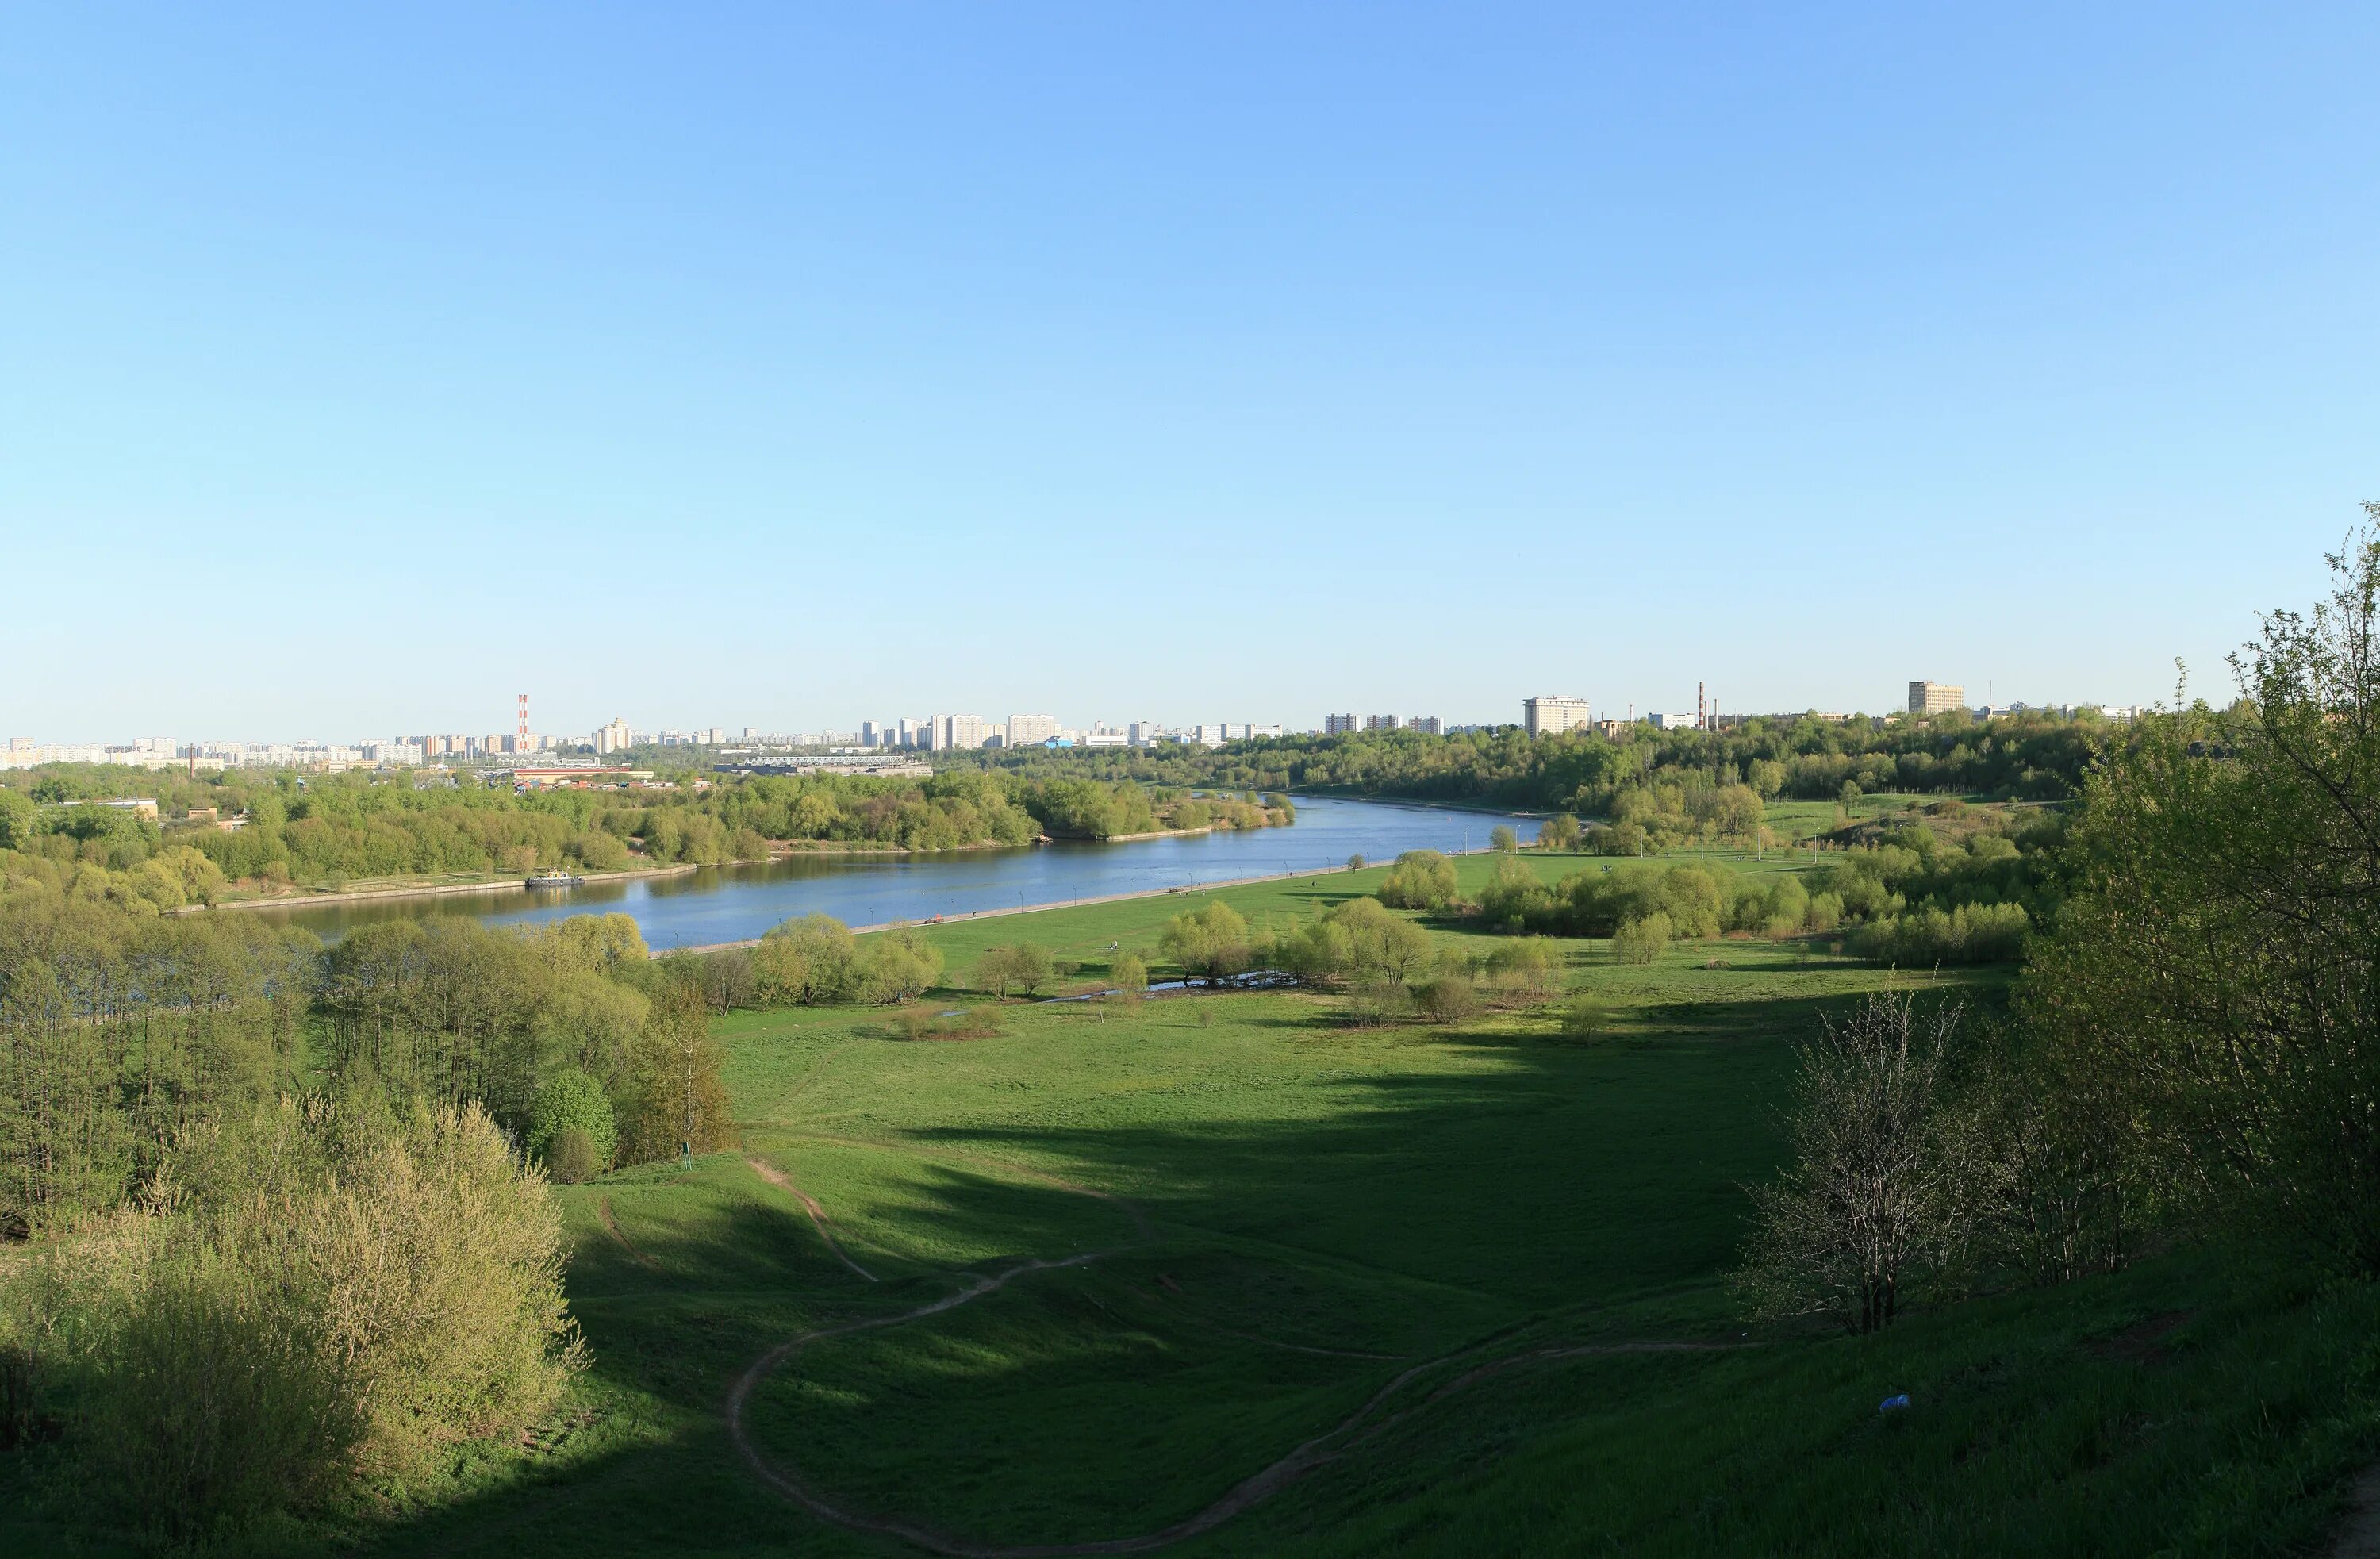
x,y
738,903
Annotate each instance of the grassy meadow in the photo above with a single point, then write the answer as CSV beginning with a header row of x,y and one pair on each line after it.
x,y
1469,1282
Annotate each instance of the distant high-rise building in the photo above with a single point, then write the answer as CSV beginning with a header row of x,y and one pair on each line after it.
x,y
949,732
1427,725
870,734
1550,713
1380,722
1142,733
1934,698
1340,725
1024,730
615,736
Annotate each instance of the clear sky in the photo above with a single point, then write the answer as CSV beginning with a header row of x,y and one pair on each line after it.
x,y
798,365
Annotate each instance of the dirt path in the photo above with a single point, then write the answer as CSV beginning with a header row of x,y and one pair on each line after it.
x,y
2359,1529
783,1182
1355,1429
611,1225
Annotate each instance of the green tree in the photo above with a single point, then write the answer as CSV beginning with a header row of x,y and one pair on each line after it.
x,y
1206,942
1641,941
1419,880
2221,947
807,959
1024,966
574,1101
679,1101
1502,838
1380,946
893,966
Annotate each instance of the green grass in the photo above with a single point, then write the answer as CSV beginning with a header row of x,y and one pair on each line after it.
x,y
1291,1213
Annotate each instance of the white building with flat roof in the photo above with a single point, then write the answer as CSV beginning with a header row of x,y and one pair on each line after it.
x,y
1550,713
1024,730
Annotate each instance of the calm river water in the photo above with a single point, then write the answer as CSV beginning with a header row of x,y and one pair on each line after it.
x,y
736,902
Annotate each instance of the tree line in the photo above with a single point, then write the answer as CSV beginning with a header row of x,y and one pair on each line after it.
x,y
2031,755
323,831
2193,1051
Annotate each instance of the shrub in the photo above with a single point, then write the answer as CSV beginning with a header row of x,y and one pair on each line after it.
x,y
1450,998
1355,863
1642,941
1420,880
1374,1002
574,1103
571,1157
1130,973
312,1291
1586,1017
1528,968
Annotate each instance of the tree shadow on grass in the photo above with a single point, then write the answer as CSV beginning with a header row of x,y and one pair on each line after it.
x,y
1410,1208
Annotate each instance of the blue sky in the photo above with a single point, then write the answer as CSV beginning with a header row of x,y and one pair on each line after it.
x,y
802,365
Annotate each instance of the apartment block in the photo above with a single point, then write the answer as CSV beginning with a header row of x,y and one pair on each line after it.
x,y
1936,698
1550,713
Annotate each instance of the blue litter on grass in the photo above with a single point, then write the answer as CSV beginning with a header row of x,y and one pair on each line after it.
x,y
1893,1403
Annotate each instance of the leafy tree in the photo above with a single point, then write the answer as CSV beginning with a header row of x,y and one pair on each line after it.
x,y
893,966
678,1100
1641,941
1207,943
1024,966
1502,838
2221,950
574,1101
1130,974
1420,880
1380,946
807,959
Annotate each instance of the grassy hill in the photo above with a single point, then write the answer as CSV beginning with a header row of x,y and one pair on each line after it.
x,y
1222,1273
1479,1276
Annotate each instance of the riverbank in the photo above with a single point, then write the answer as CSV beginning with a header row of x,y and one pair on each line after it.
x,y
1063,904
421,890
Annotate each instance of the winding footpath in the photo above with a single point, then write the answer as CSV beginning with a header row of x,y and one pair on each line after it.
x,y
1362,1425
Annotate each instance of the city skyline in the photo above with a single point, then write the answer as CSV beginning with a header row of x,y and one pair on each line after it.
x,y
947,731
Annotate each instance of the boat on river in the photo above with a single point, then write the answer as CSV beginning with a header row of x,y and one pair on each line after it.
x,y
553,880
